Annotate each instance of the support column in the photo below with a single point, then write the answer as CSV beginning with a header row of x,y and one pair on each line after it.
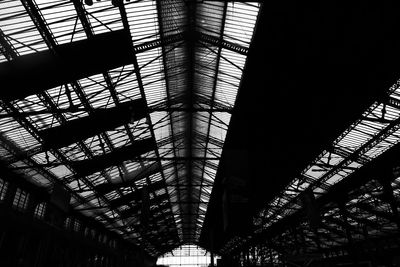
x,y
390,198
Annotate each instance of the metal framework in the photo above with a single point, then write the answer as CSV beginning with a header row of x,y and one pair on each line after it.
x,y
137,143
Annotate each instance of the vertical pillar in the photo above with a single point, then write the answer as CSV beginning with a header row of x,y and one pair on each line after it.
x,y
31,205
388,194
347,229
271,257
212,247
10,194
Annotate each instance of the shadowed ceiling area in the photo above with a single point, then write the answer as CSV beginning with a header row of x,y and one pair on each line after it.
x,y
230,125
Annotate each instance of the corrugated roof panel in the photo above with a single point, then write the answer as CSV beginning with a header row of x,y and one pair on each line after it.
x,y
143,21
62,20
103,17
19,29
240,22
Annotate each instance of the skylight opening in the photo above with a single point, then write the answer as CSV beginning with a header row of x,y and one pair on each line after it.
x,y
19,29
62,20
143,16
210,17
187,256
103,17
19,136
125,83
154,83
240,22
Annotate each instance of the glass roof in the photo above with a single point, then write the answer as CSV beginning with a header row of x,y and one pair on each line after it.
x,y
148,133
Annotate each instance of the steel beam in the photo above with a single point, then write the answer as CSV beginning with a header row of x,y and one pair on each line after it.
x,y
219,42
98,122
6,47
98,163
45,70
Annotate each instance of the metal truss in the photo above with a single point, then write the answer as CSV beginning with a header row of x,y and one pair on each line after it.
x,y
158,152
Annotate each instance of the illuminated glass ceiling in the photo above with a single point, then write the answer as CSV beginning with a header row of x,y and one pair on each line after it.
x,y
137,144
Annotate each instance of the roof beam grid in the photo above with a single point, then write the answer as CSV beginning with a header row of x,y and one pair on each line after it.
x,y
353,156
164,40
221,43
6,47
40,24
83,99
384,215
84,148
189,100
82,15
107,77
69,62
138,77
214,89
96,123
29,127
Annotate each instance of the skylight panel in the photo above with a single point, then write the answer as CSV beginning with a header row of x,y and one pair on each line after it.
x,y
130,166
227,87
143,21
155,178
125,83
210,17
73,152
166,150
19,135
240,22
96,146
62,20
104,17
113,173
34,104
152,75
97,92
222,118
213,151
96,178
378,149
217,130
118,137
18,28
35,176
162,129
142,132
60,171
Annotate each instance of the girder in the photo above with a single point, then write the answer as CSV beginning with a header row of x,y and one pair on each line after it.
x,y
45,70
130,178
97,122
97,163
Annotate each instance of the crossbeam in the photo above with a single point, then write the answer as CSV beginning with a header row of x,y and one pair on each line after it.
x,y
45,70
98,122
98,163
